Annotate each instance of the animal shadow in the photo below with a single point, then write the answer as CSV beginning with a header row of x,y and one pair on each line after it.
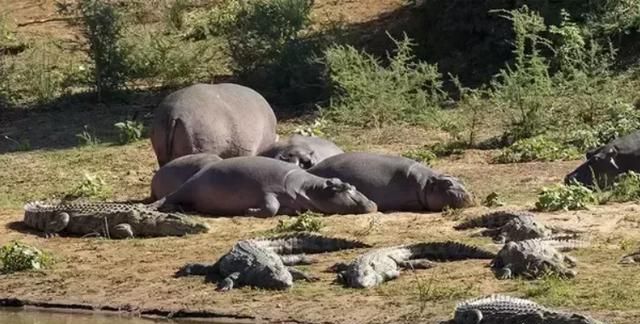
x,y
20,227
195,269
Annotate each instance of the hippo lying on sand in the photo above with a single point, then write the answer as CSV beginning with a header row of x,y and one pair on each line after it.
x,y
175,173
395,183
224,119
264,187
305,151
606,162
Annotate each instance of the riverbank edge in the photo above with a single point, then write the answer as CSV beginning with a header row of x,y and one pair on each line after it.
x,y
132,311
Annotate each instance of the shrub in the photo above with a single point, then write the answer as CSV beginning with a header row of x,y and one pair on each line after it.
x,y
565,197
626,187
366,94
91,186
129,131
16,256
539,148
307,222
493,200
103,29
421,155
212,22
315,129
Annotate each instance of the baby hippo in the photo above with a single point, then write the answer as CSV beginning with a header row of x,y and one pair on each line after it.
x,y
263,187
305,151
175,173
395,183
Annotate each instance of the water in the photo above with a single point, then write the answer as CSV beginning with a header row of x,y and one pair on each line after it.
x,y
18,316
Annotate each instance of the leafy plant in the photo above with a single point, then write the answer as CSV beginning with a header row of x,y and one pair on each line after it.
x,y
307,222
87,138
421,155
16,256
129,131
565,197
91,186
314,129
539,148
626,187
368,94
493,200
211,22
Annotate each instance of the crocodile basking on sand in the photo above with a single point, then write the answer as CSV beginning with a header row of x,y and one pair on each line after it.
x,y
502,309
110,220
509,225
266,262
380,265
534,258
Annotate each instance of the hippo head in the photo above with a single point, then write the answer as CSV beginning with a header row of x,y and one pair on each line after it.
x,y
333,196
301,155
445,191
600,169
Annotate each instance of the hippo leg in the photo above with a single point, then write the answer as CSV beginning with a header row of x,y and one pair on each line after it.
x,y
300,275
269,209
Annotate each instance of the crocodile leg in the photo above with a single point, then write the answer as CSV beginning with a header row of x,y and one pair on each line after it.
x,y
56,225
228,282
504,273
416,264
122,231
269,209
300,275
289,260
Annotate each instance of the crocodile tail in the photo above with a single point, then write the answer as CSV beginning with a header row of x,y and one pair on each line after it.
x,y
561,243
499,303
492,220
448,251
308,243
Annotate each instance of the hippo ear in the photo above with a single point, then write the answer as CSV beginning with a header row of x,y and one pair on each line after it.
x,y
336,184
609,155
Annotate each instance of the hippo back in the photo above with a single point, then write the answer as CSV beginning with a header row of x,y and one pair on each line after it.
x,y
173,174
384,179
225,119
305,151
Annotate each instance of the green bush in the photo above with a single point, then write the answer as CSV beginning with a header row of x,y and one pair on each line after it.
x,y
129,131
307,222
367,94
565,197
421,155
539,148
91,186
103,28
316,128
16,256
211,22
626,187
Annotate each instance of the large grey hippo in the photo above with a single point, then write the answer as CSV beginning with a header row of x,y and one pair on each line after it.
x,y
395,183
175,173
224,119
305,151
606,162
263,187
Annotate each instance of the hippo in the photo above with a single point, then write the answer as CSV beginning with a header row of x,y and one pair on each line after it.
x,y
263,187
608,161
305,151
173,174
225,119
395,183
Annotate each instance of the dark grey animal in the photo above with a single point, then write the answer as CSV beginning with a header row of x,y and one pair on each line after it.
x,y
500,309
224,119
175,173
111,220
380,265
506,226
305,151
263,187
608,161
631,258
266,262
534,258
396,183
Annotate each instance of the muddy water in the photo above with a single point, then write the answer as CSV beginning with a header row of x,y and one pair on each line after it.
x,y
14,316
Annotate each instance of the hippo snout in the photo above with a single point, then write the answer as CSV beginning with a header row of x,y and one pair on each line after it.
x,y
369,207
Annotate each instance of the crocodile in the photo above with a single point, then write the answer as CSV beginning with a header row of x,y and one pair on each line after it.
x,y
110,220
510,225
380,265
494,309
534,258
632,258
266,262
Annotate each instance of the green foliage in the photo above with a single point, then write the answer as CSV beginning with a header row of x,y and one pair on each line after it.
x,y
421,155
174,14
129,131
211,22
493,200
317,128
614,17
539,148
87,138
626,187
91,186
565,197
103,27
367,94
307,222
16,256
551,287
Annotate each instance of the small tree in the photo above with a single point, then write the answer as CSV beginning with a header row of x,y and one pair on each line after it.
x,y
103,29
